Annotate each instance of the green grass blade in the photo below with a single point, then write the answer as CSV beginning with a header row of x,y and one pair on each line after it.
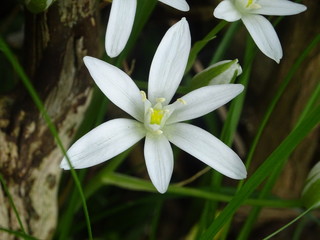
x,y
18,234
136,184
36,99
314,99
225,42
236,106
6,190
198,46
289,224
277,157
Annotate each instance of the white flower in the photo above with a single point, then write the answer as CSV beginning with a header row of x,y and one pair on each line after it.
x,y
258,26
156,119
121,20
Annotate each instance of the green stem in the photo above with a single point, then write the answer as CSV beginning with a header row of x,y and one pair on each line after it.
x,y
198,46
288,224
18,234
136,184
4,185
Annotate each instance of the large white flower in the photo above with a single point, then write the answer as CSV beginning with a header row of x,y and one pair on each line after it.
x,y
121,20
156,119
258,26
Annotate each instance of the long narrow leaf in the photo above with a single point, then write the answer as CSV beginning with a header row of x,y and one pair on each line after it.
x,y
277,157
198,46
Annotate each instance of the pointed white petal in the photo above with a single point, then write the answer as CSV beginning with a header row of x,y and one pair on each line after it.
x,y
181,5
117,86
119,25
169,62
264,36
159,160
202,101
207,149
104,142
279,8
226,10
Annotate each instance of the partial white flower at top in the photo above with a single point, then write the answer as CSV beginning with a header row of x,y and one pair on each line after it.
x,y
156,119
260,29
121,20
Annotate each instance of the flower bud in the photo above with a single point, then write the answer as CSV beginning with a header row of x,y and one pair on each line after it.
x,y
311,193
37,6
222,72
226,75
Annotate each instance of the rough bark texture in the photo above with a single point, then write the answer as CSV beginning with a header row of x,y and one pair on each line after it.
x,y
55,43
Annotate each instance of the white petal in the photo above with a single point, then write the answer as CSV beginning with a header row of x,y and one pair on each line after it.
x,y
264,36
159,160
207,149
117,86
169,62
104,142
119,25
202,101
226,10
279,8
181,5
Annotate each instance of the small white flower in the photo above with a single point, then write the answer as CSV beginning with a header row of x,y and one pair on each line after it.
x,y
258,26
121,20
156,119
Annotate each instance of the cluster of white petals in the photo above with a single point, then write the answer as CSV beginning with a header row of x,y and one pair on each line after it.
x,y
155,118
121,20
260,29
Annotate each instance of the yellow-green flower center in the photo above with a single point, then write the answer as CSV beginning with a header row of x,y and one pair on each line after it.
x,y
249,3
156,116
246,5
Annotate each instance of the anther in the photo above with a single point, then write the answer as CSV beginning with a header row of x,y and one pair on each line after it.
x,y
180,100
160,100
143,96
159,132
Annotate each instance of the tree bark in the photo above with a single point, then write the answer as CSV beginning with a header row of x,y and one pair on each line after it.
x,y
55,43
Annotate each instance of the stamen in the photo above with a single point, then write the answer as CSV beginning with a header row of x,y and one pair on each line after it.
x,y
160,100
143,96
159,132
180,100
252,4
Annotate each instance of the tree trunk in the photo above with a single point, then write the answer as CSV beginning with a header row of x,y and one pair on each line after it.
x,y
55,43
